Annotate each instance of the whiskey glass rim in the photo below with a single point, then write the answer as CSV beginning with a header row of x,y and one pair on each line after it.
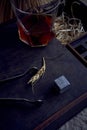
x,y
48,8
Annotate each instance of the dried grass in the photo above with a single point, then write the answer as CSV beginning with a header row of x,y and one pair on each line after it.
x,y
67,29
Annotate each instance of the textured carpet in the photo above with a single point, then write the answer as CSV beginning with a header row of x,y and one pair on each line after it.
x,y
79,122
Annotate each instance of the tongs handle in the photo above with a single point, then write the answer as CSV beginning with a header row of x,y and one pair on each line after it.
x,y
23,100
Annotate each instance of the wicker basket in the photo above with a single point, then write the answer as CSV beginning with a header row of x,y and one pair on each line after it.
x,y
41,5
38,6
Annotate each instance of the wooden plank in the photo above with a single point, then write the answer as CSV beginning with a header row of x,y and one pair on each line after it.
x,y
16,57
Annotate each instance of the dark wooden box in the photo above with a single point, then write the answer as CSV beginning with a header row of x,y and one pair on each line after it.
x,y
79,46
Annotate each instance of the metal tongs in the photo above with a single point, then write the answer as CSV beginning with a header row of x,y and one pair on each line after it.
x,y
21,100
36,76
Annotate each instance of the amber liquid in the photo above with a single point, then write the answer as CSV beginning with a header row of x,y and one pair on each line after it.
x,y
35,30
